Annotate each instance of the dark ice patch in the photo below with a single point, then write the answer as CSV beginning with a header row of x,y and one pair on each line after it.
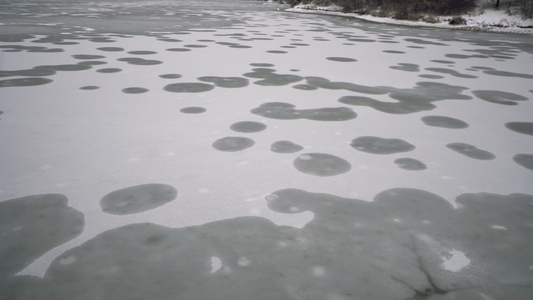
x,y
109,70
23,82
410,164
87,56
140,61
413,100
277,51
89,87
377,145
499,97
321,164
233,143
525,160
446,62
508,74
400,239
406,67
463,56
134,90
520,127
471,151
225,82
262,65
142,52
193,110
178,49
450,72
111,49
31,226
324,83
285,147
269,77
92,63
286,111
424,42
248,126
170,76
188,87
341,59
136,199
393,51
304,87
444,122
430,76
195,46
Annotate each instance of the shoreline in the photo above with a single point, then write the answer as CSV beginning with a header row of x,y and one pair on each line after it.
x,y
476,23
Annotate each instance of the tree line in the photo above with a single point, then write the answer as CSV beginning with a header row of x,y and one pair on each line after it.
x,y
411,9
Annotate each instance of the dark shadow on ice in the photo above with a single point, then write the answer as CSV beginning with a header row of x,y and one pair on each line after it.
x,y
471,151
286,111
193,110
248,126
521,127
416,99
233,143
378,145
225,82
444,122
285,147
525,160
136,199
188,87
410,164
321,164
23,82
406,67
269,77
30,226
406,244
499,97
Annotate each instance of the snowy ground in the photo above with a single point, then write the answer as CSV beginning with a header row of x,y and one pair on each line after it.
x,y
227,150
491,20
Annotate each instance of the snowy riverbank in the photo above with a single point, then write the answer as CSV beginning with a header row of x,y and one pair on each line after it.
x,y
490,20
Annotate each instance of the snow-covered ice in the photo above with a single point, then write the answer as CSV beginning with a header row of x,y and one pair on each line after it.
x,y
230,150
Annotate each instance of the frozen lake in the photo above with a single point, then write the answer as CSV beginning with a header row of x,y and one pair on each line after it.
x,y
230,150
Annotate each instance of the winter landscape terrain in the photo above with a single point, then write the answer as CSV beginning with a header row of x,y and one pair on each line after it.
x,y
230,149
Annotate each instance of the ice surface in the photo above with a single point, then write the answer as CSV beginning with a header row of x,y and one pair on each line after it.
x,y
205,150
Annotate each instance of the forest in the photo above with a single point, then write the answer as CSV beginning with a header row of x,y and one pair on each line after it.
x,y
412,9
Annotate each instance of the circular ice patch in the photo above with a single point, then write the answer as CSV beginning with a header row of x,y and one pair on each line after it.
x,y
134,90
109,70
89,87
226,82
170,76
193,110
444,122
499,97
233,144
19,82
140,61
410,164
471,151
248,126
377,145
321,164
521,127
525,160
137,198
188,87
341,59
285,147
